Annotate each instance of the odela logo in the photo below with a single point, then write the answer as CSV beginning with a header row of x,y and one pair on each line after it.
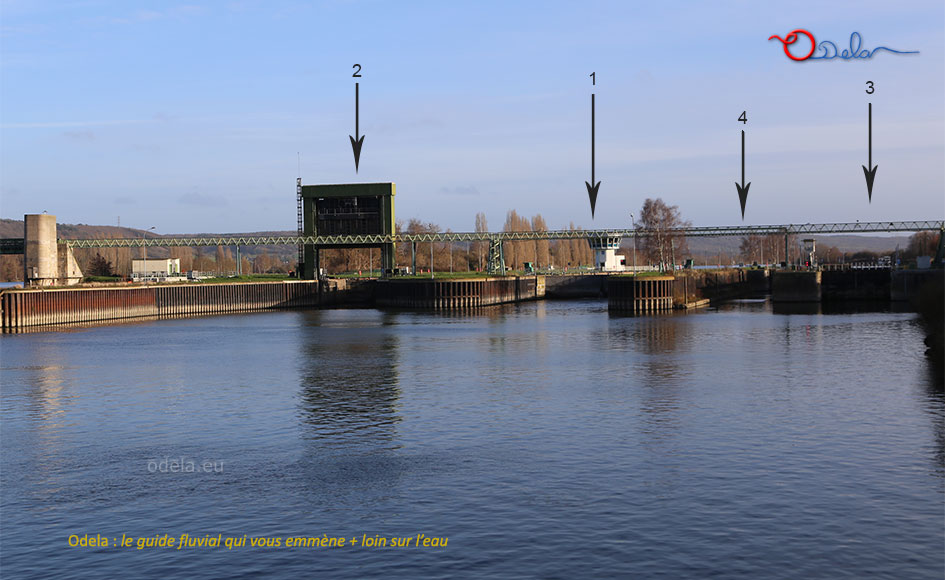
x,y
827,50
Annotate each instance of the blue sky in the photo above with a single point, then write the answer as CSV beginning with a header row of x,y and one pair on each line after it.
x,y
189,116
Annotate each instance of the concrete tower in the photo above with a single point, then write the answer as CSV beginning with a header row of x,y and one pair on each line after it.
x,y
40,255
45,263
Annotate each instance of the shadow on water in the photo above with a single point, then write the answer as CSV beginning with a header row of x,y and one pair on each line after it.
x,y
496,313
848,307
935,407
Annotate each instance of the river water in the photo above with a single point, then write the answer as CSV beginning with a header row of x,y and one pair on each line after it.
x,y
540,440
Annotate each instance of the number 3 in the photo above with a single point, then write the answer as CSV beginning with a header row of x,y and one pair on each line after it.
x,y
869,91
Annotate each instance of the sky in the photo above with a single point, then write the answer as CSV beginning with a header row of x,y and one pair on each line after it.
x,y
198,117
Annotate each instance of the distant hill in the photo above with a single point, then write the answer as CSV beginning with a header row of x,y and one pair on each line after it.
x,y
853,243
14,229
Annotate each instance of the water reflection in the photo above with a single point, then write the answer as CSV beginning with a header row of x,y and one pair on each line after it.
x,y
657,372
845,307
349,379
654,344
46,403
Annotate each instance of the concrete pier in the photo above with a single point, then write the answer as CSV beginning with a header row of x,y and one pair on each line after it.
x,y
640,294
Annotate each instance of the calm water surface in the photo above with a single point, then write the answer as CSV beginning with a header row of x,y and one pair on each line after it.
x,y
543,440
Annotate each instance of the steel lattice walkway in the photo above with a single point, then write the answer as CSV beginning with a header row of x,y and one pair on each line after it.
x,y
711,231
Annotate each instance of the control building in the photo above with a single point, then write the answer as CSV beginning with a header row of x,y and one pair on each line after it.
x,y
350,209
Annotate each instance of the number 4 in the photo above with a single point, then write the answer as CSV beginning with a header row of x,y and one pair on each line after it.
x,y
743,118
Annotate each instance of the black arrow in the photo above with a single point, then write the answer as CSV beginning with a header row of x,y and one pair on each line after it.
x,y
743,188
358,139
592,189
870,173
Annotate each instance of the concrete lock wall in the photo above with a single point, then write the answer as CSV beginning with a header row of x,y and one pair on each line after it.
x,y
41,254
696,286
855,284
796,286
584,286
908,285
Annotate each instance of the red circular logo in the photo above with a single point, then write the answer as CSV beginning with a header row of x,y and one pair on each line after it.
x,y
792,38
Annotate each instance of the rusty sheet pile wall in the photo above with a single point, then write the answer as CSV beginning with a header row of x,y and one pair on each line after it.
x,y
458,294
23,308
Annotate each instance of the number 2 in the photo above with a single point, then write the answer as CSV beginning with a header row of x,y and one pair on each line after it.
x,y
357,73
869,90
743,118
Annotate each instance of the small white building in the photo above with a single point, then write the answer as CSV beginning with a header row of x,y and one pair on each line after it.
x,y
605,257
155,269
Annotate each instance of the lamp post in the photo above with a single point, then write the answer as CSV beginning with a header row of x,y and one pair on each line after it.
x,y
634,226
145,237
144,251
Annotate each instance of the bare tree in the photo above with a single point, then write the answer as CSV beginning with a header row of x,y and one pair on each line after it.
x,y
11,268
481,226
542,249
661,221
186,257
923,244
581,254
751,248
511,249
561,253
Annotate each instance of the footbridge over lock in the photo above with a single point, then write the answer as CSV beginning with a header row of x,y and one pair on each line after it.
x,y
495,240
